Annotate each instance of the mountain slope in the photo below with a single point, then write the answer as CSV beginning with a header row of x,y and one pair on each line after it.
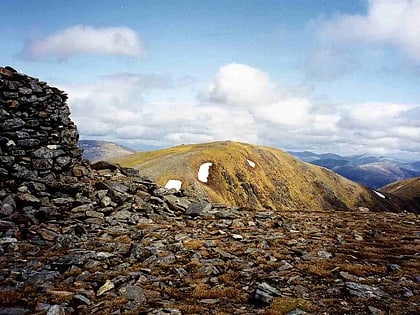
x,y
95,150
244,175
408,192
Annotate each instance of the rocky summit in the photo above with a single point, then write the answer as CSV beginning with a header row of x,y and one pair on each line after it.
x,y
77,238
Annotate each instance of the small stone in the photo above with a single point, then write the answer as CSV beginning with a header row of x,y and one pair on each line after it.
x,y
7,240
357,237
56,310
209,301
177,204
28,143
47,234
266,293
14,311
210,243
10,143
80,171
237,237
165,311
42,164
349,277
364,290
324,254
103,255
102,165
25,91
94,214
107,286
393,267
6,209
12,124
43,153
375,311
285,266
106,201
296,311
63,160
406,293
82,208
81,298
140,253
197,209
28,199
123,215
133,292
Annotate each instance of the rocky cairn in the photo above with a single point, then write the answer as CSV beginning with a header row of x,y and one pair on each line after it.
x,y
77,238
37,137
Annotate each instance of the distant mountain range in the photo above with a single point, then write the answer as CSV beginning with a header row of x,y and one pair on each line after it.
x,y
371,171
95,150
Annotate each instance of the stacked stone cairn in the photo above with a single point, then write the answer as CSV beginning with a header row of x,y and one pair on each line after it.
x,y
37,137
38,147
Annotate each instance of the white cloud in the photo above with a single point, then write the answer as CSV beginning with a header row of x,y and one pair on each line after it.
x,y
124,107
241,85
119,107
390,22
374,116
84,39
252,90
288,112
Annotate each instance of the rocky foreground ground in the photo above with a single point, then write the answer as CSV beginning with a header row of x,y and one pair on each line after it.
x,y
119,244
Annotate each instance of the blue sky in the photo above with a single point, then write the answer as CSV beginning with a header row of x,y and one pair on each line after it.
x,y
321,75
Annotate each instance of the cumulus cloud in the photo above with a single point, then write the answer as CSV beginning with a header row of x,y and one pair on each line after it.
x,y
240,85
373,116
289,112
388,22
84,39
119,107
133,108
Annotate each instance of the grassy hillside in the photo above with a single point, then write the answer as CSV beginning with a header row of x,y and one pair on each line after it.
x,y
408,193
409,188
277,181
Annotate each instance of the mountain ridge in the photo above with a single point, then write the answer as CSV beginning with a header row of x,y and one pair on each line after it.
x,y
277,181
96,150
371,171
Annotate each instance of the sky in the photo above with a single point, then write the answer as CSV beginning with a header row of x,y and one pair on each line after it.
x,y
319,75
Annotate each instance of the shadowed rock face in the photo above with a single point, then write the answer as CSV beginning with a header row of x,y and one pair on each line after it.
x,y
101,239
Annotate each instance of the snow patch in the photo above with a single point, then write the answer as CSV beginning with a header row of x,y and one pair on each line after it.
x,y
252,164
203,172
173,183
379,194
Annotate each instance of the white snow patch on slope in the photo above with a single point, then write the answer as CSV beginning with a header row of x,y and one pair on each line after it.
x,y
203,172
379,194
173,183
252,164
